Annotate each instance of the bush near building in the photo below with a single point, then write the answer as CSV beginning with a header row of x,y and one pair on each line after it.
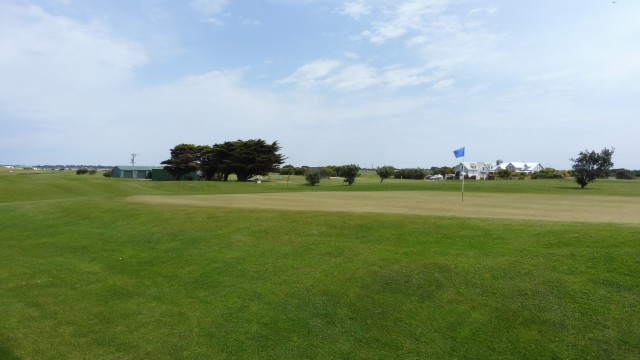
x,y
548,173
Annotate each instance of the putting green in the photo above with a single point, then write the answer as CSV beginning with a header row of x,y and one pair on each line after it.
x,y
508,206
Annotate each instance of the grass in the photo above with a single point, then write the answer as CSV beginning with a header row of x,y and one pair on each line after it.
x,y
85,274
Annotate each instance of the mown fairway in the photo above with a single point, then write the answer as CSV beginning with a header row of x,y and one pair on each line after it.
x,y
86,272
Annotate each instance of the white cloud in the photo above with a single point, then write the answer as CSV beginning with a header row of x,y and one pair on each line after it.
x,y
355,77
443,37
312,73
210,9
407,17
443,85
400,77
352,77
57,61
356,9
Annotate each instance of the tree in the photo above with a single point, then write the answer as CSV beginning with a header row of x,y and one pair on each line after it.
x,y
312,176
385,172
185,158
349,173
591,165
247,158
208,163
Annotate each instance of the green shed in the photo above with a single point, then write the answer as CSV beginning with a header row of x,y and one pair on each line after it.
x,y
132,172
160,174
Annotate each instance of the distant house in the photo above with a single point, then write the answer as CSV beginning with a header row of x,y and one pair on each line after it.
x,y
474,170
482,170
524,167
132,172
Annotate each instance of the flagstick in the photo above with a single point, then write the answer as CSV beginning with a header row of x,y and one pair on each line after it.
x,y
463,179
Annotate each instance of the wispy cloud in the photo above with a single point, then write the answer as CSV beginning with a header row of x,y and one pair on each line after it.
x,y
346,77
406,17
356,9
312,73
210,9
441,37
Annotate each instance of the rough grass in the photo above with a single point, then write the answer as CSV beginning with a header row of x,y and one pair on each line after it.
x,y
86,274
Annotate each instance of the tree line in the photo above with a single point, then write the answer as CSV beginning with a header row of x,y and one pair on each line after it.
x,y
249,158
244,158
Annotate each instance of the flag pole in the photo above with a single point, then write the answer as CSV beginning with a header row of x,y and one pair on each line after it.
x,y
463,178
460,153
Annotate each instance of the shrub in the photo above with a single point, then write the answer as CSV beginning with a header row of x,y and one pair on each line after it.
x,y
624,174
313,176
349,173
82,171
504,174
415,174
107,173
548,173
92,171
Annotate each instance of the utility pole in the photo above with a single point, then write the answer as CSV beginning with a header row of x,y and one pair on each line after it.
x,y
133,159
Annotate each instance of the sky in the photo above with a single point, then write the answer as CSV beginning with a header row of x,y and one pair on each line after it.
x,y
366,82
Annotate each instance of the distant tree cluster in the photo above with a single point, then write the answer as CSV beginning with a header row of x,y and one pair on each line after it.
x,y
85,171
624,174
244,158
412,173
313,175
325,171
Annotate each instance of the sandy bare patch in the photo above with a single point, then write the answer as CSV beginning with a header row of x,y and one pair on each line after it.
x,y
514,206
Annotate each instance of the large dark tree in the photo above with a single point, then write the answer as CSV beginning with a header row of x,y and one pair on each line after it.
x,y
209,164
591,165
246,159
185,158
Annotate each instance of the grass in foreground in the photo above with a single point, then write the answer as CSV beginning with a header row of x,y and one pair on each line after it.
x,y
87,275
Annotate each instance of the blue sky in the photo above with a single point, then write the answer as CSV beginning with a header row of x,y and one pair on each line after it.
x,y
369,82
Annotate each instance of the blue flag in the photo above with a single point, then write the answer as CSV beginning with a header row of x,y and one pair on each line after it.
x,y
459,153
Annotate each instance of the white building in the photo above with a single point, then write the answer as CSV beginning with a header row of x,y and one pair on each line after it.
x,y
474,170
524,167
482,170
